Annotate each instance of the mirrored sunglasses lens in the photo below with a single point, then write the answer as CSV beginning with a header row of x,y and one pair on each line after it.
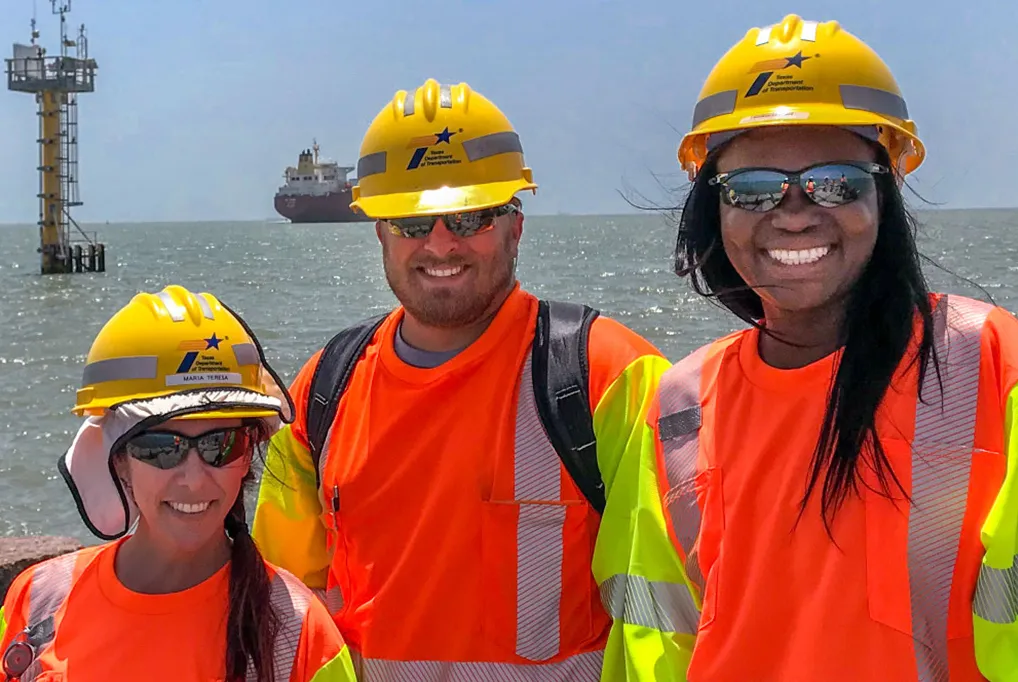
x,y
223,447
837,184
468,224
754,190
414,227
162,450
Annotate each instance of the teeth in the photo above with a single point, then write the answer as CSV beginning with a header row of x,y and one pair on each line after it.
x,y
443,272
799,257
197,508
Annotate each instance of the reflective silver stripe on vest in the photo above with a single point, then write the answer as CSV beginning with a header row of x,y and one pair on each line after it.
x,y
539,534
678,429
996,598
290,600
634,600
50,584
586,666
941,461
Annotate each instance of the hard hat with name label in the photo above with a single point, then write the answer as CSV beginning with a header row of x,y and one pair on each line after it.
x,y
438,149
176,341
164,356
801,73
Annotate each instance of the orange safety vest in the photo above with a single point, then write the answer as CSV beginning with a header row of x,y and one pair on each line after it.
x,y
503,589
50,590
921,579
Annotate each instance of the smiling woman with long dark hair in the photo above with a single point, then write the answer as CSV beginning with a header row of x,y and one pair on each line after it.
x,y
840,479
178,400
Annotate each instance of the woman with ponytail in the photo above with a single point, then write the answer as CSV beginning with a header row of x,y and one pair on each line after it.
x,y
179,401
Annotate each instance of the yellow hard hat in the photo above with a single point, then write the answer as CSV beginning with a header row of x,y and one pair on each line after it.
x,y
179,342
802,73
439,149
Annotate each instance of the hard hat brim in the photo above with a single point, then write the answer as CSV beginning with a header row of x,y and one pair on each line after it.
x,y
441,200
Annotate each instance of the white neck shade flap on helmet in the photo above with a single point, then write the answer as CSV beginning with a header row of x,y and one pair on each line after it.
x,y
87,466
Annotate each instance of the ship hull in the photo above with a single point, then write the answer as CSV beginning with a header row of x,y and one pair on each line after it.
x,y
326,208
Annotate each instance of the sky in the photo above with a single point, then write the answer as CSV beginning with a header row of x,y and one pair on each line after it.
x,y
200,106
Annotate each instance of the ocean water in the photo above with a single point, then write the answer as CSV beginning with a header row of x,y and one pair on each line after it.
x,y
296,285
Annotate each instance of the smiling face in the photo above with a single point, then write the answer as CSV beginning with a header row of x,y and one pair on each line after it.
x,y
447,281
182,509
799,257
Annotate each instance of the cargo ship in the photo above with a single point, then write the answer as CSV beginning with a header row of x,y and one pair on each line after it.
x,y
316,191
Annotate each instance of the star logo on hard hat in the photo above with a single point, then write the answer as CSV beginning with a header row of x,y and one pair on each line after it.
x,y
193,349
767,67
796,60
443,136
423,143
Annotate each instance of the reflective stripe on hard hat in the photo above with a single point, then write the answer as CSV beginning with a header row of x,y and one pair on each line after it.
x,y
490,145
444,100
476,149
372,164
941,461
585,667
852,97
147,367
873,100
540,531
118,369
634,600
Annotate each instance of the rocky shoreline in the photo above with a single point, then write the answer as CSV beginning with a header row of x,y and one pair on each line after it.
x,y
18,553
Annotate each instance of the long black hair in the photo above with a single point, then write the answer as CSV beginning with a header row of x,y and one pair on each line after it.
x,y
252,623
876,329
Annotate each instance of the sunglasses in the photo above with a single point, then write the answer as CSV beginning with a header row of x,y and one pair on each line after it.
x,y
166,449
465,224
825,184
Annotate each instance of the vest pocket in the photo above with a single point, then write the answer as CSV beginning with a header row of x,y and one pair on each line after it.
x,y
914,553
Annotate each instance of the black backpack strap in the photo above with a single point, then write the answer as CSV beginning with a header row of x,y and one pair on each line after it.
x,y
335,366
560,373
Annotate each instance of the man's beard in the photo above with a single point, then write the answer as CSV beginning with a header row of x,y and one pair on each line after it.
x,y
453,308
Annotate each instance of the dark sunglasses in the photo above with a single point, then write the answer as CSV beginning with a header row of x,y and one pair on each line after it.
x,y
460,224
166,449
825,184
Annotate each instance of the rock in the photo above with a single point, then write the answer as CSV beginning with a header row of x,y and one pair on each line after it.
x,y
17,554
